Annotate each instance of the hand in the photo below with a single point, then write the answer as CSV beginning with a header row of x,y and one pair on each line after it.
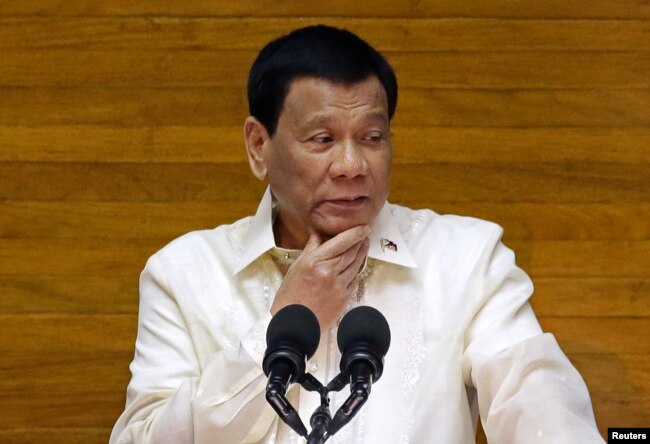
x,y
322,276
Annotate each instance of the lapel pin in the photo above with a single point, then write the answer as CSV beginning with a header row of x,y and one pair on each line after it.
x,y
386,243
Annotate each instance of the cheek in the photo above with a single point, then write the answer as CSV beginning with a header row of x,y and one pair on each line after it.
x,y
300,169
292,179
289,171
382,167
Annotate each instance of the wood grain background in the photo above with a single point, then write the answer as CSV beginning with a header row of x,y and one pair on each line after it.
x,y
120,130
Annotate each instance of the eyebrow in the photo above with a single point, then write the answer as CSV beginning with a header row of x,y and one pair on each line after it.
x,y
325,120
376,116
319,120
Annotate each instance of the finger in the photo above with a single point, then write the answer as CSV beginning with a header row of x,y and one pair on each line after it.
x,y
350,274
313,242
341,263
342,242
354,268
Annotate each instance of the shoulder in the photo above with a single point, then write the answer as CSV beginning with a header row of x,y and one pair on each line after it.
x,y
418,225
461,251
205,247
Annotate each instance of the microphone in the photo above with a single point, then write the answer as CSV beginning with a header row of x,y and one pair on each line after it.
x,y
363,338
291,338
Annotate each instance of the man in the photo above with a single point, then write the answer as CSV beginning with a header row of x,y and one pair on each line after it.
x,y
464,339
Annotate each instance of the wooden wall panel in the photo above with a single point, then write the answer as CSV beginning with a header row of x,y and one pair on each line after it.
x,y
487,182
390,34
524,108
120,124
79,294
229,68
412,144
125,259
74,371
167,220
543,259
55,435
558,9
110,333
466,108
100,294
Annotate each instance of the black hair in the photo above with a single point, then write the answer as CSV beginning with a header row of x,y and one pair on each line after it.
x,y
317,51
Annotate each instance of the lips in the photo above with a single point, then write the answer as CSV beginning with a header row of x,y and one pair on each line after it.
x,y
348,202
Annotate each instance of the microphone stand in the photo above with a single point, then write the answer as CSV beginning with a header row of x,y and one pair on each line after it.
x,y
319,422
322,423
323,426
321,417
359,393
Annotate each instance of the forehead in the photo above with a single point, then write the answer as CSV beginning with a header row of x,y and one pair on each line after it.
x,y
308,96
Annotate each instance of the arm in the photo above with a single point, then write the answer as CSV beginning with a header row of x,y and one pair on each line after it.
x,y
528,391
171,398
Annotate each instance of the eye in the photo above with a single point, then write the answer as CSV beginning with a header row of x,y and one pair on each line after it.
x,y
373,136
323,139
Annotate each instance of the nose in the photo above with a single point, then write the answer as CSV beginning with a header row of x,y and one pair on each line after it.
x,y
348,161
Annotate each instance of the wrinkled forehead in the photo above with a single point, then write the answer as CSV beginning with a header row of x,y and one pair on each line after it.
x,y
315,99
327,84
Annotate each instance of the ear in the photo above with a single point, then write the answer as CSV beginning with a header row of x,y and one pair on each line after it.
x,y
256,138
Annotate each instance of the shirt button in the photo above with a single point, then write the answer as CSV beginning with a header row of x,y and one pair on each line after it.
x,y
313,367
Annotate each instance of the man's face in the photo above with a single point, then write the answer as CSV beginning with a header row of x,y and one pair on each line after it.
x,y
329,162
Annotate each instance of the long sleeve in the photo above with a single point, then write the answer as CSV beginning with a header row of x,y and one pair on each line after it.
x,y
172,398
528,391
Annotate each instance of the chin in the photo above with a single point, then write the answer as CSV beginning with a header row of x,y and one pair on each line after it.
x,y
339,225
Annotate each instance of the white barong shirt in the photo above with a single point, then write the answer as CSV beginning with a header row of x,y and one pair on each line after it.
x,y
465,341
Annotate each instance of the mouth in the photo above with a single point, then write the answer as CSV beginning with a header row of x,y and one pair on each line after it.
x,y
348,203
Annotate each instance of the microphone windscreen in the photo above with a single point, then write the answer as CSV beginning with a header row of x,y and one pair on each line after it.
x,y
295,323
364,324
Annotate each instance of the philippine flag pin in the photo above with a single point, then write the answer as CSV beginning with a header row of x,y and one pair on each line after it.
x,y
386,243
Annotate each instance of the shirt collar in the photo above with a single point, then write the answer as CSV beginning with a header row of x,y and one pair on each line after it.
x,y
386,241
